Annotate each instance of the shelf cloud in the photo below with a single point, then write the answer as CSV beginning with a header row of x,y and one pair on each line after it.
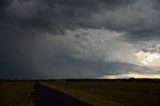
x,y
78,38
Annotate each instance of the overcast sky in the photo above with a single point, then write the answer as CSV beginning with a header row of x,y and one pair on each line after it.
x,y
79,39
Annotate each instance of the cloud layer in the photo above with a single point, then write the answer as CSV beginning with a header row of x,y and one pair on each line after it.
x,y
76,38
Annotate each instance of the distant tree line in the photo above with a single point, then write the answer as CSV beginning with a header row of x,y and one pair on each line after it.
x,y
132,79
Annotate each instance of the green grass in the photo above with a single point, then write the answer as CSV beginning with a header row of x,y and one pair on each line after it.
x,y
16,94
112,93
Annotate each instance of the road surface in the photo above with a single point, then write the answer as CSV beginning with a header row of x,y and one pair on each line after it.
x,y
45,96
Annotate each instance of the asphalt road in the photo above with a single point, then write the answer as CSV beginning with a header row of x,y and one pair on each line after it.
x,y
45,96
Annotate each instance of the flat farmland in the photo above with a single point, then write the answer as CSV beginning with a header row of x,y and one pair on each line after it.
x,y
112,93
16,94
79,93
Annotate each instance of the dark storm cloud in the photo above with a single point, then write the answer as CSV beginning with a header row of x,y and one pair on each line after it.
x,y
23,21
66,66
139,19
55,15
140,22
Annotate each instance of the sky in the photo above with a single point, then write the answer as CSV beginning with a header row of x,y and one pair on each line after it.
x,y
54,39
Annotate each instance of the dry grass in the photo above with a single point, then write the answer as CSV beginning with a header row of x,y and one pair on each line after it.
x,y
16,94
112,93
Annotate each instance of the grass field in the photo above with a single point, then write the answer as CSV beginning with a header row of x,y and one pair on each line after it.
x,y
16,94
99,93
112,93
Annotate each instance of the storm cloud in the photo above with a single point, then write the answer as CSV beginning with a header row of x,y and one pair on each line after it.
x,y
76,38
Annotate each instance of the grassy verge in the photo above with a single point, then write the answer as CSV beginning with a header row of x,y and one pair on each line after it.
x,y
15,94
112,93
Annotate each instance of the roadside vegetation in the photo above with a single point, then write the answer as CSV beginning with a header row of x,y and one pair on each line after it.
x,y
96,93
112,93
16,94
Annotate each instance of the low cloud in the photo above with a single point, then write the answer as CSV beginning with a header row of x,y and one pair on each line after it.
x,y
132,75
76,38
